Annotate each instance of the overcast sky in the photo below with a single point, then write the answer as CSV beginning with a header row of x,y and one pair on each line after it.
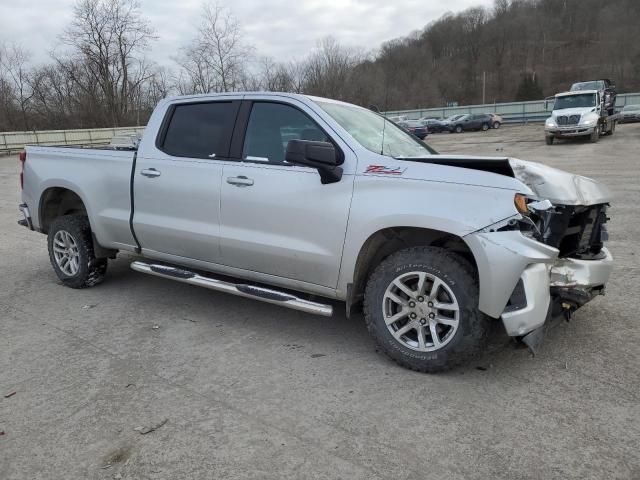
x,y
282,29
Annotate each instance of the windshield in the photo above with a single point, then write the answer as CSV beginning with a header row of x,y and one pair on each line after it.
x,y
576,101
369,129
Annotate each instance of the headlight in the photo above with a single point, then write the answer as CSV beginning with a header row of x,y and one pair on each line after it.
x,y
589,120
550,123
526,205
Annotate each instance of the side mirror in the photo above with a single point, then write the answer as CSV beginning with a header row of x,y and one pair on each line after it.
x,y
319,155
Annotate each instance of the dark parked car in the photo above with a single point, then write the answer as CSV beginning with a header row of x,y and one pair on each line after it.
x,y
607,92
631,113
470,122
416,127
436,126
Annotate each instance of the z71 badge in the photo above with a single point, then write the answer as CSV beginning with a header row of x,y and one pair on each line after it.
x,y
383,169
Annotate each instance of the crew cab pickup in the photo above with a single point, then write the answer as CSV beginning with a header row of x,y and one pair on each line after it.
x,y
300,201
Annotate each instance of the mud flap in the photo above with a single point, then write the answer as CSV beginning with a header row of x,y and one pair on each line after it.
x,y
533,340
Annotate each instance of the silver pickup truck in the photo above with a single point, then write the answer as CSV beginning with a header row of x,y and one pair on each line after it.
x,y
300,199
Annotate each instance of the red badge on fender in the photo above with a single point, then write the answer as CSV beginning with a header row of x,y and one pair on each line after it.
x,y
383,169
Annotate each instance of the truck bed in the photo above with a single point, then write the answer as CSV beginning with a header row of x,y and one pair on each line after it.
x,y
100,176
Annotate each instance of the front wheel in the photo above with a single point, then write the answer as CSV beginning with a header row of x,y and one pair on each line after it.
x,y
549,139
595,135
458,129
496,125
421,306
71,252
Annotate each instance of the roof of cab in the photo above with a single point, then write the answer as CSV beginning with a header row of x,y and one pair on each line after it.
x,y
298,96
575,92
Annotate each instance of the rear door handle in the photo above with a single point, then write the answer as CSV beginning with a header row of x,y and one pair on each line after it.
x,y
150,172
240,181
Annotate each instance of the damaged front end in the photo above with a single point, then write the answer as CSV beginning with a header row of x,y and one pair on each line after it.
x,y
549,259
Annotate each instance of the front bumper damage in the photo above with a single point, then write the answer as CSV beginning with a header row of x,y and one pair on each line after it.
x,y
526,284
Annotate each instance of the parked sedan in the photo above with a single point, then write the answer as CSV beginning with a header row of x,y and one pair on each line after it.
x,y
496,120
470,122
631,113
415,127
436,126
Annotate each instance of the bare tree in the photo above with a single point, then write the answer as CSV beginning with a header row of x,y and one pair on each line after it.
x,y
216,58
328,68
108,38
15,74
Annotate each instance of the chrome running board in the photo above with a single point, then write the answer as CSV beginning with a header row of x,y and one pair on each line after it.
x,y
240,289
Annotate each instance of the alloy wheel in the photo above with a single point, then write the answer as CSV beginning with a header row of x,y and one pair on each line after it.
x,y
66,253
421,311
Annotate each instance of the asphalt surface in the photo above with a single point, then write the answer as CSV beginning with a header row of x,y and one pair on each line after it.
x,y
240,389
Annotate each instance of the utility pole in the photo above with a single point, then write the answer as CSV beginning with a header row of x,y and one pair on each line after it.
x,y
484,87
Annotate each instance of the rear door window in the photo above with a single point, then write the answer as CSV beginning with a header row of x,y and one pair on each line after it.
x,y
200,130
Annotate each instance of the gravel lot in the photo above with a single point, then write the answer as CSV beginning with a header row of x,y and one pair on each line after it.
x,y
250,390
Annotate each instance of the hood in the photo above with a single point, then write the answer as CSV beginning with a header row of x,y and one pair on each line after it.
x,y
572,111
559,186
548,183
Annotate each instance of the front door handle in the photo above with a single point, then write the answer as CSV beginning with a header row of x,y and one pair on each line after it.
x,y
150,172
240,181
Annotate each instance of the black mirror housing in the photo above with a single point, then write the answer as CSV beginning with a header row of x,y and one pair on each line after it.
x,y
322,156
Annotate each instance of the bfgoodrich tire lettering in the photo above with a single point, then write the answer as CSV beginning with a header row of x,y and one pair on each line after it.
x,y
459,278
90,270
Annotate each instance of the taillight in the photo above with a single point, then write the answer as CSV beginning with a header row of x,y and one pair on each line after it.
x,y
23,159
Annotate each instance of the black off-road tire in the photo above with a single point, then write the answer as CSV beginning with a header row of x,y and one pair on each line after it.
x,y
474,326
91,270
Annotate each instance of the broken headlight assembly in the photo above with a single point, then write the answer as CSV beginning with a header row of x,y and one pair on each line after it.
x,y
534,216
578,231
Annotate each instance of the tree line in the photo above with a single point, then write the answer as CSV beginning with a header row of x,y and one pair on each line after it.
x,y
515,50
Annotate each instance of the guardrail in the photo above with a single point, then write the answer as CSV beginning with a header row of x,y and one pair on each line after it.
x,y
513,112
15,141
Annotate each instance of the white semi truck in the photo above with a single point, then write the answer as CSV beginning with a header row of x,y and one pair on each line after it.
x,y
579,114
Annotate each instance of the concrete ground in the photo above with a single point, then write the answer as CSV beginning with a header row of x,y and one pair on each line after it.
x,y
250,390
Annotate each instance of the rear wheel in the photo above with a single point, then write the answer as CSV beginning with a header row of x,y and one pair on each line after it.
x,y
421,306
71,252
612,129
496,125
485,127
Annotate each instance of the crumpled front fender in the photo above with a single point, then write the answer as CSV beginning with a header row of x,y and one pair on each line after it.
x,y
501,258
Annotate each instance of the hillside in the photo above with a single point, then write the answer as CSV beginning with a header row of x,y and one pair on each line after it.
x,y
551,43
